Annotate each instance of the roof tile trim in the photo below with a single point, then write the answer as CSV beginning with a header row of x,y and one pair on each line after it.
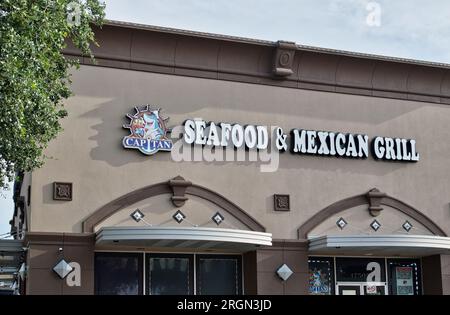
x,y
170,51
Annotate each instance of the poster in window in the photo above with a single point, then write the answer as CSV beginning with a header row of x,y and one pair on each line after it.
x,y
320,278
404,280
371,290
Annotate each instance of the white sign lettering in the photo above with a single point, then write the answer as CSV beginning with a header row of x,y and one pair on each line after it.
x,y
224,134
302,141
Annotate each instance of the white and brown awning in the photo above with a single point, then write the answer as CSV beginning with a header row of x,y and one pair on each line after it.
x,y
198,238
380,245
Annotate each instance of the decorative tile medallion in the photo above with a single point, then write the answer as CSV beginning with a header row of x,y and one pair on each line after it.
x,y
62,191
281,202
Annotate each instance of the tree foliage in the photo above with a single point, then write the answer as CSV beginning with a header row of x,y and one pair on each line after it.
x,y
34,74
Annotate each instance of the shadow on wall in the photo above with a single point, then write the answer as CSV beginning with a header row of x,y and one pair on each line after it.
x,y
47,195
109,134
195,94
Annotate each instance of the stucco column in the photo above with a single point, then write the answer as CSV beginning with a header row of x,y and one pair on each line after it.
x,y
45,250
293,253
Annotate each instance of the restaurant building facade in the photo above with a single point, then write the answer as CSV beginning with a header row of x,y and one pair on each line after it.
x,y
194,163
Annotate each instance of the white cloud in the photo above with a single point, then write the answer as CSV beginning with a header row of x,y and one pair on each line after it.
x,y
409,28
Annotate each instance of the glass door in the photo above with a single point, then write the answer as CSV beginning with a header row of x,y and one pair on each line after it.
x,y
118,274
187,274
219,274
170,274
365,276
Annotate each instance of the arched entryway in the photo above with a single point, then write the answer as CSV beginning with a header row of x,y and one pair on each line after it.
x,y
180,190
375,200
174,237
373,243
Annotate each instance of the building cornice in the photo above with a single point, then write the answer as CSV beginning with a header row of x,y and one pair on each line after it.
x,y
186,53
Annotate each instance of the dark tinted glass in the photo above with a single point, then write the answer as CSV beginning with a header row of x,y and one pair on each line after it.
x,y
404,277
170,274
118,274
321,274
360,269
218,275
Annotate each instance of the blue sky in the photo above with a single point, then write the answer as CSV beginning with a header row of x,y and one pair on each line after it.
x,y
416,29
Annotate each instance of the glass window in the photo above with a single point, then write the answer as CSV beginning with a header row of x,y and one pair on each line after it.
x,y
170,274
219,275
321,274
118,274
404,276
374,289
360,269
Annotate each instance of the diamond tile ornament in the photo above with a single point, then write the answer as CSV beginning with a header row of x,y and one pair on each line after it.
x,y
375,225
179,216
62,269
137,215
218,218
284,272
407,226
341,223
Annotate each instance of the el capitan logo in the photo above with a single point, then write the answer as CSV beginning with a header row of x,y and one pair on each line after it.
x,y
148,131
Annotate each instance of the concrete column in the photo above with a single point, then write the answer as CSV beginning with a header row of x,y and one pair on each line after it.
x,y
45,250
293,253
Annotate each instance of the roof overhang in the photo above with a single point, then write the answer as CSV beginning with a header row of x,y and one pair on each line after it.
x,y
380,245
183,238
11,252
11,246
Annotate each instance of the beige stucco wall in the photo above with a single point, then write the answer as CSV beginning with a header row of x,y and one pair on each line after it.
x,y
158,211
89,152
359,220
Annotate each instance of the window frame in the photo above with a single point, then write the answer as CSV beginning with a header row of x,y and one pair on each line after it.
x,y
417,275
140,271
324,259
191,259
239,286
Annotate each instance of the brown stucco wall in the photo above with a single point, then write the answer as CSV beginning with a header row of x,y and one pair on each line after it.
x,y
155,49
45,250
292,253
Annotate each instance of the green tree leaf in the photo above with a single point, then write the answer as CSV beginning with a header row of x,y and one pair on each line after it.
x,y
34,74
